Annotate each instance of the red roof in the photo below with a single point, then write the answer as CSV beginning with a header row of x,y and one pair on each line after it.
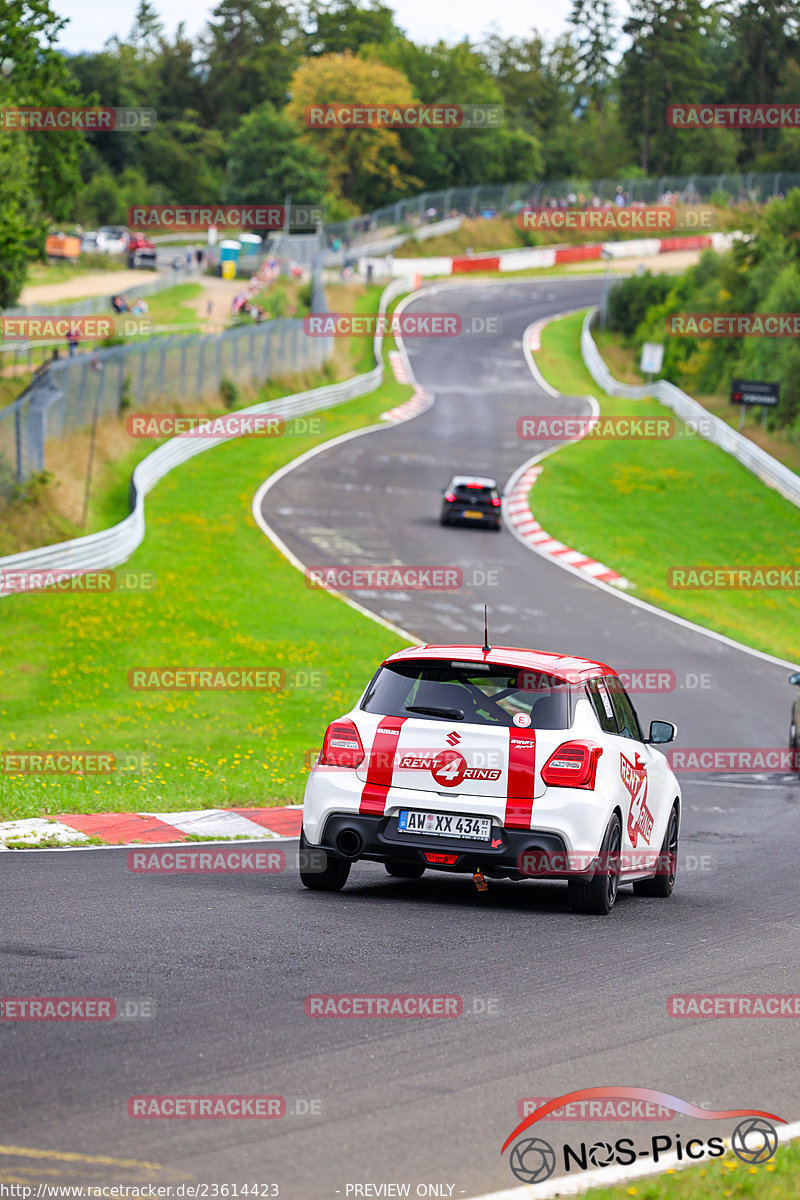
x,y
563,665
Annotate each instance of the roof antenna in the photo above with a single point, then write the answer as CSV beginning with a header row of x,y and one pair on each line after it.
x,y
486,646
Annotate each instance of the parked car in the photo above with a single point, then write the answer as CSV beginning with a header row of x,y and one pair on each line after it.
x,y
141,252
112,239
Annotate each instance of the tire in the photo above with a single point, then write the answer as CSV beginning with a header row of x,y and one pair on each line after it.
x,y
402,870
660,886
794,740
331,879
596,898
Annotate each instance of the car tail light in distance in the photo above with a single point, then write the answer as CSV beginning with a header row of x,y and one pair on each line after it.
x,y
574,765
496,501
441,860
342,746
450,497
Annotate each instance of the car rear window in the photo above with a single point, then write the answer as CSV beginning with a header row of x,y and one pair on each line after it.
x,y
451,691
474,495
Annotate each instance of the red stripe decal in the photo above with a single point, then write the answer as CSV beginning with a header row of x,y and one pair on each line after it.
x,y
381,766
521,776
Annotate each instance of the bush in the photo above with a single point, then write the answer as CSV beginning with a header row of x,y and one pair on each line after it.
x,y
630,299
125,398
229,392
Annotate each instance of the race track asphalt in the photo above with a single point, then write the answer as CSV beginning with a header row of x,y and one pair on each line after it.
x,y
552,1001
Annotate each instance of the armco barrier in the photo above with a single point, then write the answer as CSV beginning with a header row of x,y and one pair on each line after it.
x,y
775,474
114,546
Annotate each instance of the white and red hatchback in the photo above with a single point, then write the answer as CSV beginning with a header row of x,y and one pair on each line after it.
x,y
503,763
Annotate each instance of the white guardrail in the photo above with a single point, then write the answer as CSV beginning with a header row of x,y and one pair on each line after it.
x,y
776,474
114,546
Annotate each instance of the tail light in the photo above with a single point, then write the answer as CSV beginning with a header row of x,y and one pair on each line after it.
x,y
342,746
496,501
450,497
574,764
441,860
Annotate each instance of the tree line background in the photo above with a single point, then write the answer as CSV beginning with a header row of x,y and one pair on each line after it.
x,y
587,104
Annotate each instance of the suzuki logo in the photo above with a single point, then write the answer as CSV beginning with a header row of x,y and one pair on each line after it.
x,y
453,738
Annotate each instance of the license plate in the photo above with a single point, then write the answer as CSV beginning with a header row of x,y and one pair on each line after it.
x,y
470,512
450,825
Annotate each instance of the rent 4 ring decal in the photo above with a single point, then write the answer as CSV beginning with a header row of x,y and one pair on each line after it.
x,y
640,819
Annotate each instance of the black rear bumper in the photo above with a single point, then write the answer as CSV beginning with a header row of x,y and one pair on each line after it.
x,y
354,836
455,516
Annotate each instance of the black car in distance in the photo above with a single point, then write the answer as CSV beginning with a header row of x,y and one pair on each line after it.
x,y
471,500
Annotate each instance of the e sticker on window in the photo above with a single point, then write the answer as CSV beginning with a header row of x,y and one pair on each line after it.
x,y
603,694
521,719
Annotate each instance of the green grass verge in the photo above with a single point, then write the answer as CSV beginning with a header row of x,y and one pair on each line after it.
x,y
718,1179
642,507
225,598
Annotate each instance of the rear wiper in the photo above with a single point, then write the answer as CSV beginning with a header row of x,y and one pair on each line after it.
x,y
434,710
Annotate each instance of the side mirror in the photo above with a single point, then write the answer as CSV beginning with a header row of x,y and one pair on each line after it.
x,y
795,678
660,733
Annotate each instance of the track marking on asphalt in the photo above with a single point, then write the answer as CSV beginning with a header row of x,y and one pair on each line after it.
x,y
71,1156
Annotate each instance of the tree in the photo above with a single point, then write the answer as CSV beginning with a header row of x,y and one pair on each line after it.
x,y
268,158
251,50
365,165
21,230
662,66
595,27
764,31
39,75
186,159
346,25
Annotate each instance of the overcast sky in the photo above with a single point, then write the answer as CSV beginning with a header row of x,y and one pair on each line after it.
x,y
92,23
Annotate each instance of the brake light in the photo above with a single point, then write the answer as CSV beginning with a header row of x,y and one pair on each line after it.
x,y
574,764
342,746
441,860
450,497
496,501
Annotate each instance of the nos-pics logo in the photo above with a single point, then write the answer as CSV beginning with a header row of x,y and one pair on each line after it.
x,y
533,1160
